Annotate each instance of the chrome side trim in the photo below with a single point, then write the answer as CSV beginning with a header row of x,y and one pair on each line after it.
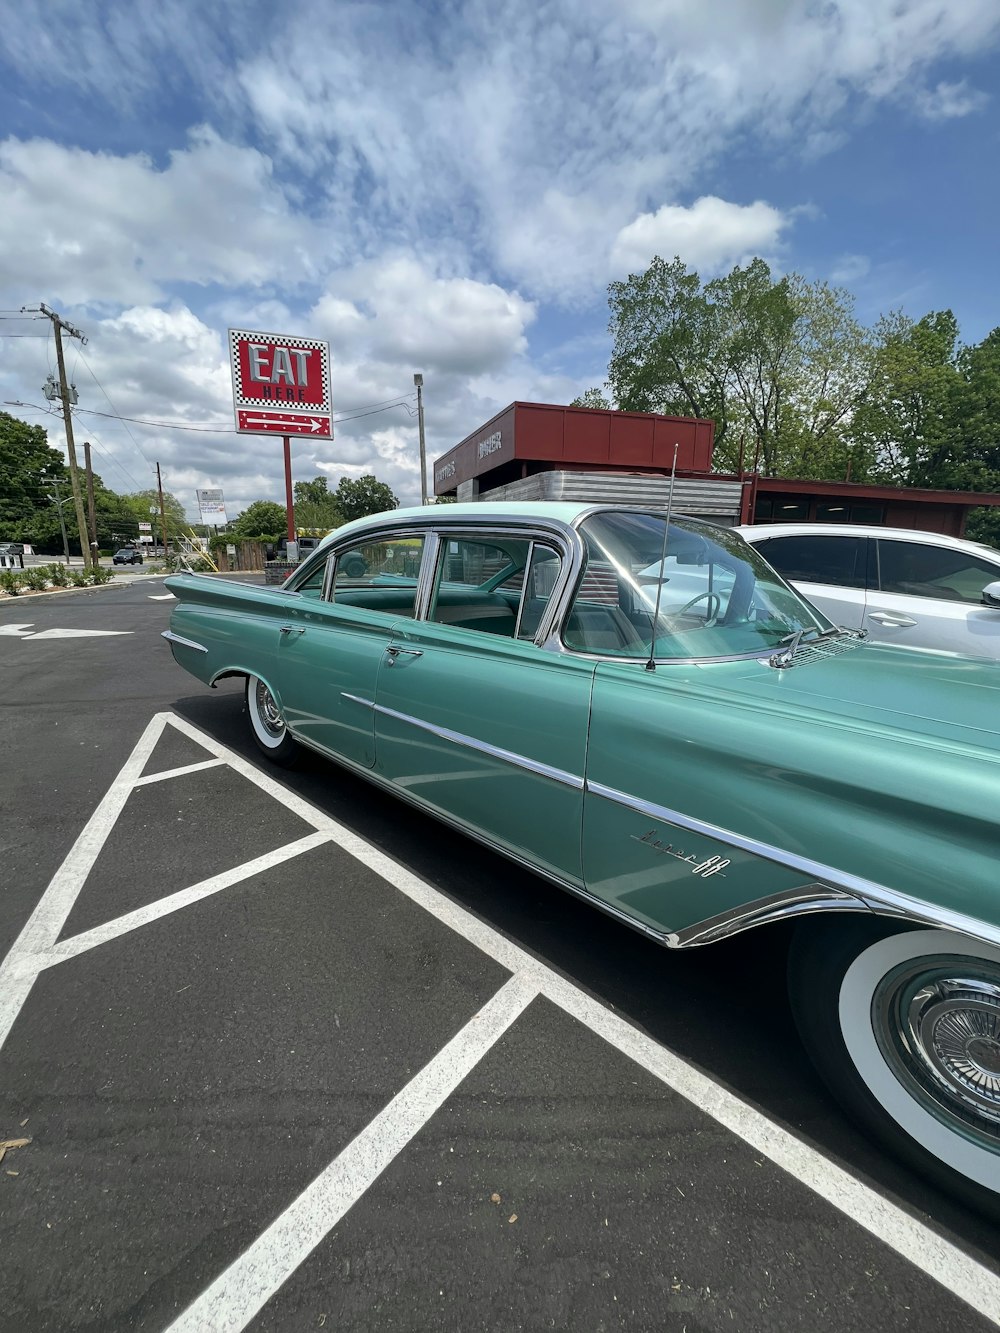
x,y
357,699
171,637
776,907
878,897
481,747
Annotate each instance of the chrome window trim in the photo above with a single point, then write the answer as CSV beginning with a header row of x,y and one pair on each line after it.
x,y
548,533
879,897
171,637
482,747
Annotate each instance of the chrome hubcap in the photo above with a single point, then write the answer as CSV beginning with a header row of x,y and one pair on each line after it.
x,y
940,1030
267,711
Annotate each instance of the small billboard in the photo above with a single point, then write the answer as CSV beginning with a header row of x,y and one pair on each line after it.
x,y
212,508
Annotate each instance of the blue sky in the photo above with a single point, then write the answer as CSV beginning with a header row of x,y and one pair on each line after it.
x,y
449,189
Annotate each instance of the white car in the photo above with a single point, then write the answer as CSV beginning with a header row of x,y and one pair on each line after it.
x,y
904,586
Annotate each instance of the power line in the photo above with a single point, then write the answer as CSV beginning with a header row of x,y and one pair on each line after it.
x,y
114,410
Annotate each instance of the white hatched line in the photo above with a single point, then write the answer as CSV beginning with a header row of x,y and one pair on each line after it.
x,y
178,772
951,1267
142,916
237,1295
42,928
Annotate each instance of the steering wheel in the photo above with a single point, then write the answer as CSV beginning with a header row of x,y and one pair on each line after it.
x,y
712,613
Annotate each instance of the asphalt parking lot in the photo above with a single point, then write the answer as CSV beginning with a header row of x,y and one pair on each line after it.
x,y
289,1055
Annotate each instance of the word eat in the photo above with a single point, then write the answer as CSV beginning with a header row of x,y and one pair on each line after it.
x,y
279,380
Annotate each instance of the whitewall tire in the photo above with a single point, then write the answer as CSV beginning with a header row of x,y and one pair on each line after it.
x,y
904,1026
267,726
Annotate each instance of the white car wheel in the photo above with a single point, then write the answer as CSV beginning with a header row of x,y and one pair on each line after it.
x,y
267,724
904,1025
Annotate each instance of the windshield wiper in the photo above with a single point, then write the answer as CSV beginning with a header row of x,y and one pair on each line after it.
x,y
789,644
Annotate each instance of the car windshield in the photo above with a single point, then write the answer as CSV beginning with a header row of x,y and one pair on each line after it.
x,y
710,596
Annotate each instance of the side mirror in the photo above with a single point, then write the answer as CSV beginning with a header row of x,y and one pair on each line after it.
x,y
991,595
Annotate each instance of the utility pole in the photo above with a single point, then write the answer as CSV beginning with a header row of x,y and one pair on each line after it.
x,y
163,514
91,512
58,324
418,380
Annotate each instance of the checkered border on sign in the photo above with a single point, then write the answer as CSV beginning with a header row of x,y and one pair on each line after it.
x,y
236,336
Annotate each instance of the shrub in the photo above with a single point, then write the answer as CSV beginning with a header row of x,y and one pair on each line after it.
x,y
57,575
10,582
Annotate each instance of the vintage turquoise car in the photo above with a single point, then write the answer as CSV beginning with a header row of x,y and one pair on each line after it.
x,y
641,710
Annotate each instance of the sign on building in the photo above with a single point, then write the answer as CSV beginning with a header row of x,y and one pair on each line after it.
x,y
281,385
212,507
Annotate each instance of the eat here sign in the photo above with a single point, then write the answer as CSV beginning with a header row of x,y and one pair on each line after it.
x,y
281,384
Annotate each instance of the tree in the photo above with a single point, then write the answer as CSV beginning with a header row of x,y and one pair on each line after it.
x,y
261,521
777,364
904,431
591,398
144,507
28,467
357,499
315,505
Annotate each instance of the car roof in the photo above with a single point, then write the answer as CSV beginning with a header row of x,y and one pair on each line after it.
x,y
758,531
527,511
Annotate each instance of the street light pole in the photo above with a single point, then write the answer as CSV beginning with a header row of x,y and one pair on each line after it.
x,y
59,501
418,380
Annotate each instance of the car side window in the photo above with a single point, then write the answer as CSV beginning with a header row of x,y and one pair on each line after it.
x,y
836,560
379,575
312,582
921,570
495,586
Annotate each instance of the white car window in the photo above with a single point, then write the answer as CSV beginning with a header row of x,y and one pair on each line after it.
x,y
917,569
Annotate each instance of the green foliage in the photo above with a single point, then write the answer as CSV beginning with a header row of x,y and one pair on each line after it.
x,y
37,578
27,466
364,496
261,521
316,505
778,364
591,398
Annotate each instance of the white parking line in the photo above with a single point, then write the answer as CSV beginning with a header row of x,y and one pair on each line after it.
x,y
233,1300
248,1284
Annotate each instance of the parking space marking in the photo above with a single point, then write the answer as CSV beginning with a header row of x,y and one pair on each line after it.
x,y
239,1293
275,1255
142,916
179,772
19,969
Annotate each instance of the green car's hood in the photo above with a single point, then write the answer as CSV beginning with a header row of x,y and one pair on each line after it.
x,y
954,699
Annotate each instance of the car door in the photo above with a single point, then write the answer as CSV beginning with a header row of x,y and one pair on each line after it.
x,y
332,642
829,569
929,596
476,721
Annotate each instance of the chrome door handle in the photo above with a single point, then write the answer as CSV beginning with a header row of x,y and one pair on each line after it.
x,y
393,652
292,629
887,618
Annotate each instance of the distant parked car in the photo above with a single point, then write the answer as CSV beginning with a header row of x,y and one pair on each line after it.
x,y
128,555
906,587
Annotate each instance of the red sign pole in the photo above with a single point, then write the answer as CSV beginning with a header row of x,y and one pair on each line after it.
x,y
289,506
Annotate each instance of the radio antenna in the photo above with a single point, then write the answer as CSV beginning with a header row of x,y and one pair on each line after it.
x,y
651,664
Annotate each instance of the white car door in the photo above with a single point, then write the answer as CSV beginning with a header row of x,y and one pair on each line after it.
x,y
926,596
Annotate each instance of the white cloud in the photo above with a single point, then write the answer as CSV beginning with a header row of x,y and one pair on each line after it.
x,y
709,236
950,101
96,228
